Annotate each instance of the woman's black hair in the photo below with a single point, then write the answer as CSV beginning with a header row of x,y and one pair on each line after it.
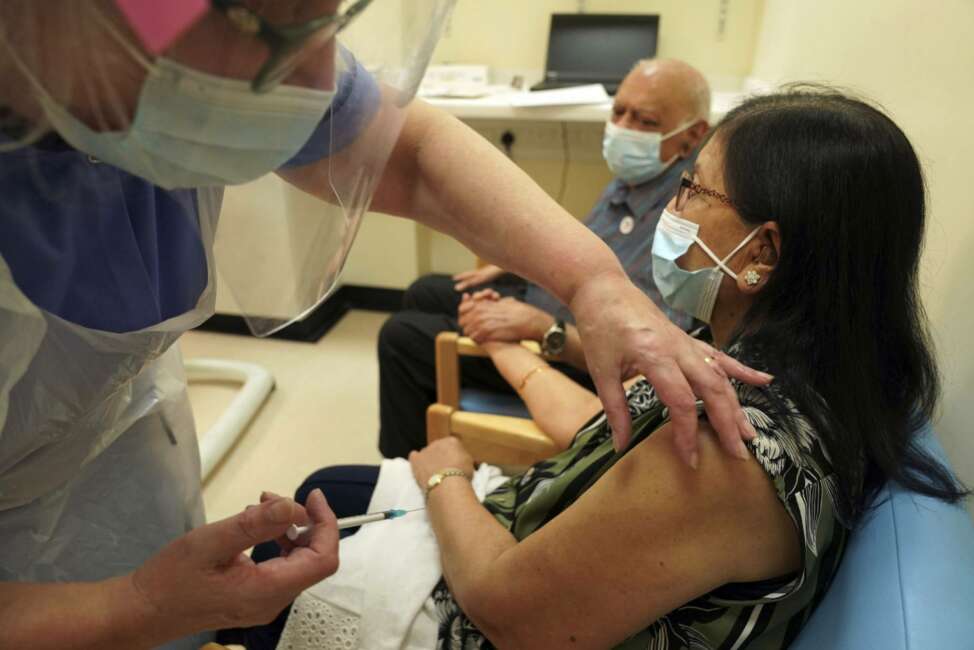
x,y
840,319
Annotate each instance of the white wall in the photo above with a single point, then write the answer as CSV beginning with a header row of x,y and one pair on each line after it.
x,y
385,253
917,60
717,36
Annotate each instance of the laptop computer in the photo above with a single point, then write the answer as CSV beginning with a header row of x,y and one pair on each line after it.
x,y
597,48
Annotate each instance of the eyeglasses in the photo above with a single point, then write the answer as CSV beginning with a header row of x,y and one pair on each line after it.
x,y
289,44
689,189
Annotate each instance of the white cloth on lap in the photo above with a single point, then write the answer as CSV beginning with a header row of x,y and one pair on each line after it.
x,y
387,570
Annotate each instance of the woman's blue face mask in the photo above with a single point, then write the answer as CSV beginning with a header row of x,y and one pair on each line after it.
x,y
693,292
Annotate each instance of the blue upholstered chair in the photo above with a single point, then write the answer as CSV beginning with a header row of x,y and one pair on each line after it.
x,y
906,581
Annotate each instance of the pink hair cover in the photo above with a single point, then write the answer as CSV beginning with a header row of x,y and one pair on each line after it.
x,y
160,22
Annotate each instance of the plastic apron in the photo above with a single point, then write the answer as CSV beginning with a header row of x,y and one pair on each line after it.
x,y
99,462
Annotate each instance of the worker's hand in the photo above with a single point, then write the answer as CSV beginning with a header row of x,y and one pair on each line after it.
x,y
204,580
284,542
624,334
506,319
439,455
477,277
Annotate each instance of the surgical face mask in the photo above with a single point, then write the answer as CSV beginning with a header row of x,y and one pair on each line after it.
x,y
693,292
193,129
634,156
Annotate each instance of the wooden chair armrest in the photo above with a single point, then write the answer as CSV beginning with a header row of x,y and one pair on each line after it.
x,y
447,369
495,439
502,429
438,418
501,439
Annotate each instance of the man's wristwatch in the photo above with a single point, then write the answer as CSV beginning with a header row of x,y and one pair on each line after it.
x,y
553,341
437,478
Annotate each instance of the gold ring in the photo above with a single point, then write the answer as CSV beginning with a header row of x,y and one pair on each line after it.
x,y
708,360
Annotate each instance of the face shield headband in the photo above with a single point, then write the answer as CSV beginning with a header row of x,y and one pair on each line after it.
x,y
159,25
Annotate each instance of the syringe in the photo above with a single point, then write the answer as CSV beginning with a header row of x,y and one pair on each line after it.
x,y
294,531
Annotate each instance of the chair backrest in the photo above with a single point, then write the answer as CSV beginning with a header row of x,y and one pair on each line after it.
x,y
906,581
476,400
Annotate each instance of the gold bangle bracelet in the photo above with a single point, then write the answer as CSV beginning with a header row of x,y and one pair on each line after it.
x,y
438,477
528,375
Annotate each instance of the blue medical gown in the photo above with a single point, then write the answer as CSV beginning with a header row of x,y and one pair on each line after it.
x,y
107,250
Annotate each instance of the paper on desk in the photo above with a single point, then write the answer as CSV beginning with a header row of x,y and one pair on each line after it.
x,y
455,91
590,94
458,81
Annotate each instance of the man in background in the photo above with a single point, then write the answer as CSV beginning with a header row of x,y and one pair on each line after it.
x,y
659,118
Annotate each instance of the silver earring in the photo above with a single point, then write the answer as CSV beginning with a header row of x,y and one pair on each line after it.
x,y
751,278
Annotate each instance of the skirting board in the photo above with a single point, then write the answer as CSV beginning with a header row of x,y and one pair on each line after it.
x,y
322,319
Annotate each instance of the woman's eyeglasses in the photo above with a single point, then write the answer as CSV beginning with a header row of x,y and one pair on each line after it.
x,y
288,44
689,189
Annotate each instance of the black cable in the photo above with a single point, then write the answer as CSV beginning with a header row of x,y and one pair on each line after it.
x,y
507,140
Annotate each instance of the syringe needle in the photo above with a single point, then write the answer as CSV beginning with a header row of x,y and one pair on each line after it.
x,y
294,531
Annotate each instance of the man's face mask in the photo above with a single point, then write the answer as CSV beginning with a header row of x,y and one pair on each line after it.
x,y
634,156
692,292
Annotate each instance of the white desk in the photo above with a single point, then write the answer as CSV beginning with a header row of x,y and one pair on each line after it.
x,y
498,107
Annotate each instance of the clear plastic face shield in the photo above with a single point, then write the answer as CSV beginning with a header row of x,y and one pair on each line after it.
x,y
300,102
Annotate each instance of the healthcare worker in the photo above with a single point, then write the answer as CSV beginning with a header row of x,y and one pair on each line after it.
x,y
120,123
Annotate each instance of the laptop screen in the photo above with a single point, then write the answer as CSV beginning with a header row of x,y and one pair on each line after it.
x,y
598,47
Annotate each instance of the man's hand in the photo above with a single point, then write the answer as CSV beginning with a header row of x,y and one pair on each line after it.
x,y
486,318
476,277
203,580
624,334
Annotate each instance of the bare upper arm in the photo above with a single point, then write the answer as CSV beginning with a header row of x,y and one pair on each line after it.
x,y
648,537
395,192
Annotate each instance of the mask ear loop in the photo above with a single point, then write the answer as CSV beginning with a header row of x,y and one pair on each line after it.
x,y
664,136
722,263
102,93
38,131
121,40
39,87
683,127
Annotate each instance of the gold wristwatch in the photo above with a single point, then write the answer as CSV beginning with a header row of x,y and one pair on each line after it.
x,y
437,478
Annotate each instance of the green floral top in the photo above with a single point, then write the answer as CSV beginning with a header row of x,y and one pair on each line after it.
x,y
767,614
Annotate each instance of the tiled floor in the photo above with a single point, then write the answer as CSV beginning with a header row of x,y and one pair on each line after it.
x,y
323,411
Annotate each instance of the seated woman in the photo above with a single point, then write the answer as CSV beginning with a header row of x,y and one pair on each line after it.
x,y
797,239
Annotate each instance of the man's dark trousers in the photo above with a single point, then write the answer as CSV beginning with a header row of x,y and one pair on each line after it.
x,y
407,370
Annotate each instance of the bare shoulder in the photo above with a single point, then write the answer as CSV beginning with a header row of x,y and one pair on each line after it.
x,y
734,497
649,536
